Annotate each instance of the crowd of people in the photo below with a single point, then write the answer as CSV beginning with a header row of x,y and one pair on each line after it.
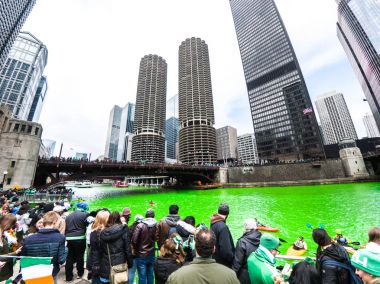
x,y
115,249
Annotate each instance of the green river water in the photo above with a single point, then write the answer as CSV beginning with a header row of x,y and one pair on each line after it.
x,y
354,208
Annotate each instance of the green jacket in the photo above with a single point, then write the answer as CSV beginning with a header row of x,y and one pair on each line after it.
x,y
262,267
203,271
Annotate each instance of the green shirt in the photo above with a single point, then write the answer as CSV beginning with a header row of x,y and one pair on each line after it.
x,y
262,267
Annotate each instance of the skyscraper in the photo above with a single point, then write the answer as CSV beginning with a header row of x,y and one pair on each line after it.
x,y
282,113
172,107
226,144
371,126
38,101
148,144
197,136
358,30
247,149
335,118
12,17
119,126
21,75
172,135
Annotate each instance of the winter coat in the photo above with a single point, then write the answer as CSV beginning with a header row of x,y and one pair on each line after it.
x,y
115,239
76,225
163,228
247,244
46,243
144,237
262,266
7,270
163,267
203,271
93,261
332,274
224,246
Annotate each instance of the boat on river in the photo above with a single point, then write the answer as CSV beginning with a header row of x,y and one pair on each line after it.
x,y
79,184
295,252
120,184
267,229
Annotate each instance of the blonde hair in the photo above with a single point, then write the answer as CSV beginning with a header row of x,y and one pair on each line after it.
x,y
50,218
100,220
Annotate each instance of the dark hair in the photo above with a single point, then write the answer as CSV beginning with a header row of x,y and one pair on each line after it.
x,y
374,235
93,214
321,238
304,273
113,219
190,220
149,213
205,243
173,209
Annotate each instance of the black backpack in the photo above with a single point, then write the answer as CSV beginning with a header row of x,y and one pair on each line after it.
x,y
355,279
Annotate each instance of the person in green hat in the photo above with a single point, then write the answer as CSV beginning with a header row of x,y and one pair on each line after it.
x,y
262,262
367,264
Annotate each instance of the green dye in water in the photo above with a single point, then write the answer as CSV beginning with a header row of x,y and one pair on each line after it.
x,y
354,208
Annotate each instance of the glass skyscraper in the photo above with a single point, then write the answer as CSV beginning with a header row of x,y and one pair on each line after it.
x,y
38,101
358,30
282,112
12,17
21,75
172,135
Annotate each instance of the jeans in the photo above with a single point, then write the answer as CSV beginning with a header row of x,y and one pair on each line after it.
x,y
75,255
132,272
145,269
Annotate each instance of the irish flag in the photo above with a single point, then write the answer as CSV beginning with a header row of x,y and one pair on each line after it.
x,y
37,270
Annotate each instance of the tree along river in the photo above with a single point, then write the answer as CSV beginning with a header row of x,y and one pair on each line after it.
x,y
354,208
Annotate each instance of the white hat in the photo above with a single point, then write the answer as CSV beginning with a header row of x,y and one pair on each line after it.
x,y
250,224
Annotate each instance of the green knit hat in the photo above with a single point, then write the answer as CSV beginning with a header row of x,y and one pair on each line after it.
x,y
269,242
367,261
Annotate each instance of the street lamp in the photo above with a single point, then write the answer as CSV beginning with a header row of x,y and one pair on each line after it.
x,y
5,174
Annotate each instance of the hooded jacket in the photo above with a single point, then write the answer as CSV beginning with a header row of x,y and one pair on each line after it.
x,y
144,238
76,224
164,226
115,240
332,274
247,244
262,266
224,246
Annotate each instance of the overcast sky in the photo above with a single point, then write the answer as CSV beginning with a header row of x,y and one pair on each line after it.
x,y
95,47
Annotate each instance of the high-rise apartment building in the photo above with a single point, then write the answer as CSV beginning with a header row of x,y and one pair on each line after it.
x,y
358,30
21,74
371,126
38,101
282,112
12,17
148,144
119,126
172,136
226,144
197,136
335,118
247,149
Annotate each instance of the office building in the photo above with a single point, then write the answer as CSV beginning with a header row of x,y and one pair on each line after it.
x,y
226,144
172,107
172,137
197,136
282,112
38,101
49,146
358,31
247,149
119,126
335,118
371,126
148,144
12,17
21,75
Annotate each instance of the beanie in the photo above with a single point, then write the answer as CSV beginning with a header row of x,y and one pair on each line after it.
x,y
223,209
269,242
82,206
149,213
126,212
368,261
249,225
139,218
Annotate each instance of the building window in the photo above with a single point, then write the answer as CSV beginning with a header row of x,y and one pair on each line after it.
x,y
16,128
13,164
23,128
29,129
9,180
36,131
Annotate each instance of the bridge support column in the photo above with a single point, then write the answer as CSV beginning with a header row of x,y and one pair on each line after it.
x,y
222,176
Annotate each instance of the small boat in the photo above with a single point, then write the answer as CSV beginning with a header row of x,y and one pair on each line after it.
x,y
85,184
267,229
120,184
295,252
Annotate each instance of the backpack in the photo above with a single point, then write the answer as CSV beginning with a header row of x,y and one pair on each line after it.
x,y
355,279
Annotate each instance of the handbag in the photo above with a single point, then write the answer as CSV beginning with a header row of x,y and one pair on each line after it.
x,y
118,273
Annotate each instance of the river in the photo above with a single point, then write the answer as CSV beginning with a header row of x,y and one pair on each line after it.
x,y
354,208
